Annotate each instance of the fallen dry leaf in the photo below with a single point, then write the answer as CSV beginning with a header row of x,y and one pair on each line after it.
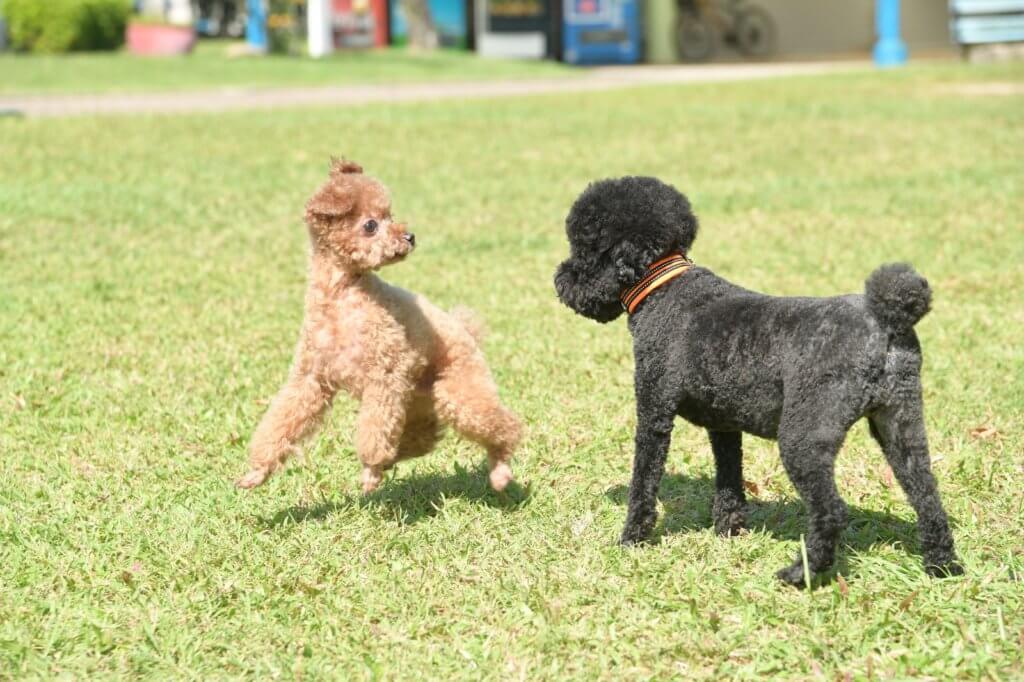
x,y
984,432
907,601
82,467
128,577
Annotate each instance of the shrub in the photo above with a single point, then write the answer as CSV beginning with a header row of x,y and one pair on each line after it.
x,y
64,25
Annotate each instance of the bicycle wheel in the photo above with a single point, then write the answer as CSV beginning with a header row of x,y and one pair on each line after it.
x,y
695,38
755,32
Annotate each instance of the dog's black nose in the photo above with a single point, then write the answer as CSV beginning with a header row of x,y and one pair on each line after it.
x,y
410,237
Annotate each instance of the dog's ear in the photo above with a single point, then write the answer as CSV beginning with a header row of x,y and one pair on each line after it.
x,y
628,268
330,202
687,225
341,167
631,262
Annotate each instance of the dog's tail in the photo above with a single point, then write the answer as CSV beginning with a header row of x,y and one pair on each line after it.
x,y
470,321
897,296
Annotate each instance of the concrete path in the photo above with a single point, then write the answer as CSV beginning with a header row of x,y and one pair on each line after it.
x,y
595,79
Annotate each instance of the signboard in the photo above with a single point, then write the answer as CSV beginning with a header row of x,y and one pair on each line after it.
x,y
449,17
601,32
359,23
518,29
589,11
517,16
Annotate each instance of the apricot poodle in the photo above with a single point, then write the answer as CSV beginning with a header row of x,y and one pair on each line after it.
x,y
413,367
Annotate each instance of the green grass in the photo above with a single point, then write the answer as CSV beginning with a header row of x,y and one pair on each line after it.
x,y
151,283
208,68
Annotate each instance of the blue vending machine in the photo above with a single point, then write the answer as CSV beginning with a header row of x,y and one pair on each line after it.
x,y
601,32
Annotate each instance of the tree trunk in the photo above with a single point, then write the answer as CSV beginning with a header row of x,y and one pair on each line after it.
x,y
422,33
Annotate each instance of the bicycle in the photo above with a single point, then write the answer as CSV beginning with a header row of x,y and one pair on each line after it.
x,y
749,28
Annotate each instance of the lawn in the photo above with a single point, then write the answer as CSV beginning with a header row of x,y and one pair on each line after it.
x,y
208,68
151,284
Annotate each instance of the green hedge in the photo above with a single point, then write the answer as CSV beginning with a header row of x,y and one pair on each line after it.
x,y
65,25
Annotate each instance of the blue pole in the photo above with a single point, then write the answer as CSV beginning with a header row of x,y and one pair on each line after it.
x,y
256,26
890,50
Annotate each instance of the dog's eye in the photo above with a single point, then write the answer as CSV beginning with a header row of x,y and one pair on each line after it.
x,y
370,226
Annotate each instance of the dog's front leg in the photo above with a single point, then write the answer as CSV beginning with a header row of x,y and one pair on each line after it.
x,y
294,415
653,435
379,428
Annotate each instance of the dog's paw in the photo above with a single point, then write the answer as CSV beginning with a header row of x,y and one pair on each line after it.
x,y
793,575
730,524
636,534
254,478
949,569
630,541
372,477
729,512
501,476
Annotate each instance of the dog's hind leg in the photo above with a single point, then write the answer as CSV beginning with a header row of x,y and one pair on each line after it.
x,y
466,397
899,430
422,430
809,448
729,505
294,415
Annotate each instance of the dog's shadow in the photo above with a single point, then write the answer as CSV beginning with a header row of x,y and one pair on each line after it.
x,y
687,505
413,498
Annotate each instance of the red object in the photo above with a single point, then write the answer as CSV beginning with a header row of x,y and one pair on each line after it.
x,y
159,39
359,23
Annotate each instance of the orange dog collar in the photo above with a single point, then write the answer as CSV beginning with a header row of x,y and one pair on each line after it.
x,y
659,273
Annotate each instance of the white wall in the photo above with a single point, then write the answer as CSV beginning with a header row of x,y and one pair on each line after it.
x,y
821,27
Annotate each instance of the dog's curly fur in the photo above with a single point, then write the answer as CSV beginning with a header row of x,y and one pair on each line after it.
x,y
799,370
413,367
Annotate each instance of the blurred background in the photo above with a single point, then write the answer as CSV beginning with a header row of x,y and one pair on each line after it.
x,y
573,31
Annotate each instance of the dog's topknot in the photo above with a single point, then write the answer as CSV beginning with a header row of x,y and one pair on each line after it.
x,y
343,166
634,208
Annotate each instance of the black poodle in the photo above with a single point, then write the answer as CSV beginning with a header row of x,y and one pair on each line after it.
x,y
799,370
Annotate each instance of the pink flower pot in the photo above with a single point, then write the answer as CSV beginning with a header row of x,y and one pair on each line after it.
x,y
159,39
